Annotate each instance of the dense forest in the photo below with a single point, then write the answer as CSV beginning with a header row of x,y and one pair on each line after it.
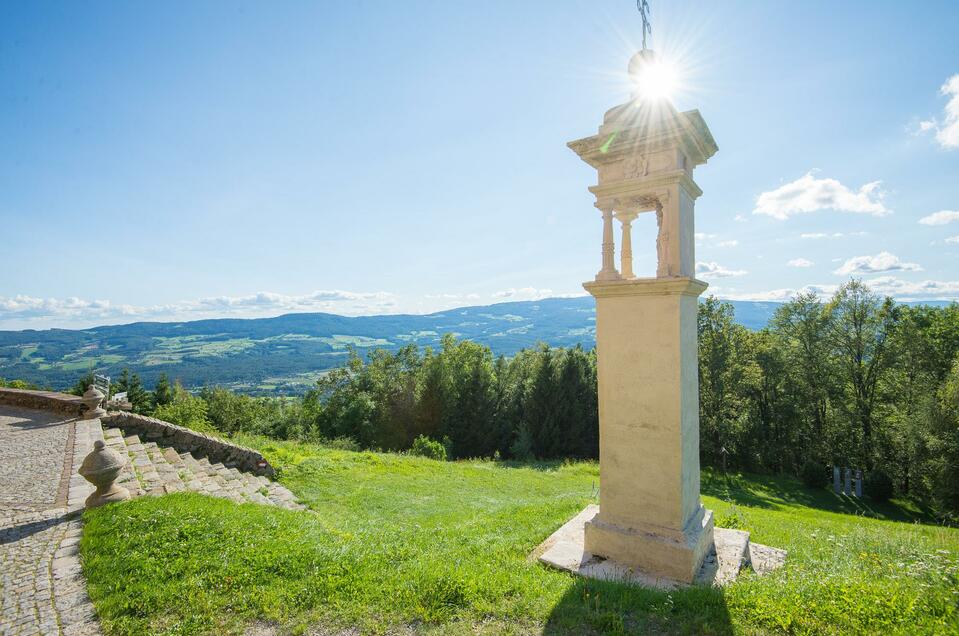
x,y
856,381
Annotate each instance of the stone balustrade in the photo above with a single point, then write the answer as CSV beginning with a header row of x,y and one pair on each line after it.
x,y
183,439
188,440
43,400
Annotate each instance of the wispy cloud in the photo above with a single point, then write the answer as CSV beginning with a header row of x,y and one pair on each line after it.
x,y
809,194
523,293
835,235
946,127
942,217
915,290
730,243
715,270
777,295
800,262
953,239
26,309
881,262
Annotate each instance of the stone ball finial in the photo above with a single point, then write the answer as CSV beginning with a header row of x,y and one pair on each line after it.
x,y
92,398
639,62
101,468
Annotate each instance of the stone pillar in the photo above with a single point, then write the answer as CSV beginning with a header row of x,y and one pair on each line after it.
x,y
847,487
859,483
608,272
836,480
626,249
650,515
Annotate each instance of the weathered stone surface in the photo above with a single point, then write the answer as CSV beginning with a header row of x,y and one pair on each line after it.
x,y
565,550
43,400
42,590
186,440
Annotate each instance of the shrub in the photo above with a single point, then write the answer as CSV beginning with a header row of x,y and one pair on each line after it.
x,y
879,486
185,410
426,447
813,474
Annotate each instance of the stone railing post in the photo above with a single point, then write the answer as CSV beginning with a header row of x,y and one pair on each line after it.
x,y
101,468
608,272
626,250
92,398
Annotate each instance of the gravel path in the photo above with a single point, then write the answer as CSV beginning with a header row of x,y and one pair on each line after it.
x,y
41,588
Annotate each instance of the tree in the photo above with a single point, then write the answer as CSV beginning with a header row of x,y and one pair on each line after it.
x,y
723,367
185,410
162,391
130,384
800,327
859,326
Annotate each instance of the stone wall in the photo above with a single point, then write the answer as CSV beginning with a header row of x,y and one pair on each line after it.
x,y
43,400
188,440
147,428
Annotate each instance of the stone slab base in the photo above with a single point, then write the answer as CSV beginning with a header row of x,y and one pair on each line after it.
x,y
732,551
676,557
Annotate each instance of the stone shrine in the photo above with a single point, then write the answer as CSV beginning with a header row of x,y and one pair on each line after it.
x,y
650,526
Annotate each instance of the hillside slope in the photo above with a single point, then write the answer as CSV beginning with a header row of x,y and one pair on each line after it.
x,y
399,544
286,354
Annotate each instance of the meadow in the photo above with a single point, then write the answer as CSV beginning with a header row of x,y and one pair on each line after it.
x,y
394,543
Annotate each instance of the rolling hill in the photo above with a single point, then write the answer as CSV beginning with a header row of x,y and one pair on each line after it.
x,y
285,354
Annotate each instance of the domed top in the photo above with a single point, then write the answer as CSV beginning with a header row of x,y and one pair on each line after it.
x,y
101,460
639,62
93,392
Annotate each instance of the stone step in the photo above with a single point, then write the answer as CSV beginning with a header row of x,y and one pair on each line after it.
x,y
155,469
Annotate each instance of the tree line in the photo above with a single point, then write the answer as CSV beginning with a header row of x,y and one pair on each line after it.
x,y
855,380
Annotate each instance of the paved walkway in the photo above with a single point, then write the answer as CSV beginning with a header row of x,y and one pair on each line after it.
x,y
41,588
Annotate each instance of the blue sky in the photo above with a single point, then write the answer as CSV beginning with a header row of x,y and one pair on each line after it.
x,y
194,159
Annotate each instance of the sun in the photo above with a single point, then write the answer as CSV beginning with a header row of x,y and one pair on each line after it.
x,y
654,78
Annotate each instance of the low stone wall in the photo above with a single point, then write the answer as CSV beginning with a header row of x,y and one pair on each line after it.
x,y
188,440
43,400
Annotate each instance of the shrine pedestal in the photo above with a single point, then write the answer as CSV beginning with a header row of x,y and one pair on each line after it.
x,y
650,516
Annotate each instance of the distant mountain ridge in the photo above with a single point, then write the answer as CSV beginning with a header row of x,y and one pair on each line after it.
x,y
286,354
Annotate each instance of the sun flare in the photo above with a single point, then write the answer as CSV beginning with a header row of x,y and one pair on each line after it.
x,y
655,78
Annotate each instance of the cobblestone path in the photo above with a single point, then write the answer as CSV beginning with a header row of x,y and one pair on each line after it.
x,y
41,588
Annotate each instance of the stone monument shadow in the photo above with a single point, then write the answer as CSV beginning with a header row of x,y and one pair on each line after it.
x,y
603,607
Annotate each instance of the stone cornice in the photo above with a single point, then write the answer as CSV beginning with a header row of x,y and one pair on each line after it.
x,y
643,186
686,130
674,286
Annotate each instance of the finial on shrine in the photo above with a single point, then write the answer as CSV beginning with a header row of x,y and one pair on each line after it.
x,y
643,7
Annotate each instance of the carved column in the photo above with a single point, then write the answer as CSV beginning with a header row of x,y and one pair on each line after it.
x,y
609,269
626,251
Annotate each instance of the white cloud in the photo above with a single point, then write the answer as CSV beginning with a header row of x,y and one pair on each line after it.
x,y
909,290
739,218
715,270
942,217
523,293
881,262
808,194
777,295
946,128
822,235
953,239
27,309
800,262
452,296
731,243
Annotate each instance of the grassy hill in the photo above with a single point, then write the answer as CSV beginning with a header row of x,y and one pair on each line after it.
x,y
402,544
286,354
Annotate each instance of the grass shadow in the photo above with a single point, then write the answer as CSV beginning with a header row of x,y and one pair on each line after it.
x,y
778,492
601,607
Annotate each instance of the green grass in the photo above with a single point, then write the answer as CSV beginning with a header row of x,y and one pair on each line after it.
x,y
399,543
